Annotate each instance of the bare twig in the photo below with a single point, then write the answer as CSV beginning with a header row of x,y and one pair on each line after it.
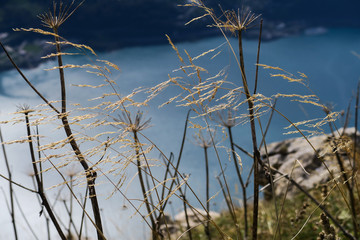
x,y
38,181
11,191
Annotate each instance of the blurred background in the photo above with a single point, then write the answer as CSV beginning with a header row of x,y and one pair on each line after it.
x,y
112,24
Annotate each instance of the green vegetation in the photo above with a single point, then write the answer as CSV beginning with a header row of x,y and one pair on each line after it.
x,y
119,144
300,218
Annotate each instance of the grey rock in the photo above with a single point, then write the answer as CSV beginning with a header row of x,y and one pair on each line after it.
x,y
195,217
305,163
178,225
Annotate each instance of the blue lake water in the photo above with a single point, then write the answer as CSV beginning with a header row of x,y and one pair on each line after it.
x,y
333,73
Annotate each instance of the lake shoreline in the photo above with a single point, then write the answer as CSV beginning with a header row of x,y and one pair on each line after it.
x,y
29,54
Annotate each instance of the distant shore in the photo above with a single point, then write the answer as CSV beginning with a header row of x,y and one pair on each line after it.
x,y
121,24
28,53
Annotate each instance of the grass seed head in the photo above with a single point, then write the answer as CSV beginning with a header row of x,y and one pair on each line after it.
x,y
24,108
226,119
59,14
204,141
237,21
134,125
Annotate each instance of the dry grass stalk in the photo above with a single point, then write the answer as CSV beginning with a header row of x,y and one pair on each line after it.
x,y
202,94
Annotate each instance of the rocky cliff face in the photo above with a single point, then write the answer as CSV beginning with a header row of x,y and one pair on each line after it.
x,y
298,159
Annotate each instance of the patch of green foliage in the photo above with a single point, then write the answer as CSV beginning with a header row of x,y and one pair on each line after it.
x,y
299,217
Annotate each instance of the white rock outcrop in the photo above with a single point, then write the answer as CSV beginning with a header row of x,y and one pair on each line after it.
x,y
305,163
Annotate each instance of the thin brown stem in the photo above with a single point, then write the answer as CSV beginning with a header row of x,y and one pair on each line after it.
x,y
232,213
18,184
161,210
224,178
270,173
207,224
268,123
90,174
83,213
38,181
61,71
48,228
253,137
223,235
243,186
27,80
258,57
355,135
73,194
71,222
11,190
25,218
47,220
179,158
167,172
143,188
188,227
